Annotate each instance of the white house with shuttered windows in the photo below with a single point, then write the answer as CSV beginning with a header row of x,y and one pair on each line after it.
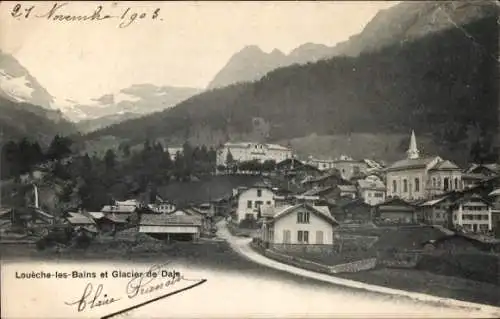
x,y
251,199
301,224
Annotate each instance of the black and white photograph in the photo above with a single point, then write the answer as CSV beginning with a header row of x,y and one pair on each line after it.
x,y
249,159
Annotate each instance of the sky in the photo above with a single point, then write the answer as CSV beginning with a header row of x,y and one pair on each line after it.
x,y
186,45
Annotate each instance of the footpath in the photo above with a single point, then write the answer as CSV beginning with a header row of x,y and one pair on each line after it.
x,y
242,247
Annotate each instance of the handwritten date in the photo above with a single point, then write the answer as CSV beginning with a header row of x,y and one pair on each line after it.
x,y
57,13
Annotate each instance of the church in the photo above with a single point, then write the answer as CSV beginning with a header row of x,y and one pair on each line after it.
x,y
415,178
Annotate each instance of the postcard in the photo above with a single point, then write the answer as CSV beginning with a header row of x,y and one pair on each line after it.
x,y
264,159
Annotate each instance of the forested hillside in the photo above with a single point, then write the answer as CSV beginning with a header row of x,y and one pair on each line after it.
x,y
24,120
444,84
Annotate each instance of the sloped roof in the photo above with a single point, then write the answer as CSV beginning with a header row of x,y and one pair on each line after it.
x,y
434,201
494,167
118,209
349,202
465,199
79,219
347,188
411,163
5,211
96,215
445,165
371,184
495,192
394,201
316,191
169,220
119,218
314,209
128,202
372,163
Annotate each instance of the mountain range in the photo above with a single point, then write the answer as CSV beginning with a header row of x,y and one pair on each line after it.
x,y
433,68
18,85
403,22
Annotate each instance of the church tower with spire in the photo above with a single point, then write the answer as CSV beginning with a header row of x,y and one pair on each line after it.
x,y
413,152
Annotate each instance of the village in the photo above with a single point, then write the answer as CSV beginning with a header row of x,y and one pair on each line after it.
x,y
334,216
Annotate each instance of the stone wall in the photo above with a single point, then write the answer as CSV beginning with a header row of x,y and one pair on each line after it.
x,y
360,265
281,256
310,248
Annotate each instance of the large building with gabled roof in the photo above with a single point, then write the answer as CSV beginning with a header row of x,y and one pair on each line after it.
x,y
415,177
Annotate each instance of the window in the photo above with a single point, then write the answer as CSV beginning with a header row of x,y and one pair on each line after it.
x,y
438,215
286,236
394,187
249,204
268,202
319,237
379,195
417,185
258,203
303,218
456,183
303,236
446,183
259,192
405,186
434,182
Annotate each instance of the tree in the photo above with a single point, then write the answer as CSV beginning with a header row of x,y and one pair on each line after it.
x,y
10,160
59,148
125,148
269,165
110,160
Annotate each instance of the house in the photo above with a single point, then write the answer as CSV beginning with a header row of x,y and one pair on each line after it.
x,y
459,242
316,195
395,210
27,218
371,190
476,173
163,207
321,164
349,167
332,178
472,213
248,151
110,222
206,220
346,191
495,210
300,226
81,221
170,227
173,151
435,211
418,177
350,210
222,206
250,199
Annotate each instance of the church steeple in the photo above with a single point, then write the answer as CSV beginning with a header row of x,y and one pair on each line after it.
x,y
413,152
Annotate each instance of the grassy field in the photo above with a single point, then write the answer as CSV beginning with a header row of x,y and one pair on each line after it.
x,y
209,187
430,283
